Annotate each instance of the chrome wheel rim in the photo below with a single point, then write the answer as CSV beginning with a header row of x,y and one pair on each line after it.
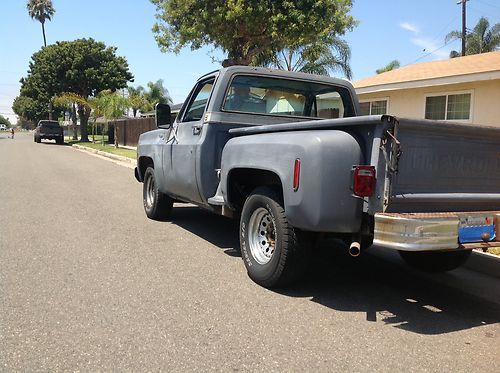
x,y
150,186
261,235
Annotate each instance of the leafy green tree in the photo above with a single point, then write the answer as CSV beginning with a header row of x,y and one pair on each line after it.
x,y
4,120
319,58
482,39
156,93
25,124
390,66
41,10
84,67
245,29
32,108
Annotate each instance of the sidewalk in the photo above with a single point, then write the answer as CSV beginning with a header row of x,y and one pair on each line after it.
x,y
118,159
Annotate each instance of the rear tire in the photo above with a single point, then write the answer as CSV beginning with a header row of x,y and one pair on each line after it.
x,y
435,261
270,247
157,205
38,139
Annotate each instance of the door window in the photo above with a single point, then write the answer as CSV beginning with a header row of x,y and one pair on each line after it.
x,y
196,108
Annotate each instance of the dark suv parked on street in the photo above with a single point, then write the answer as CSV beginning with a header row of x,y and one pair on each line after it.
x,y
49,129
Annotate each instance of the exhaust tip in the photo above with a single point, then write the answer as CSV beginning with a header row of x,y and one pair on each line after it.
x,y
355,249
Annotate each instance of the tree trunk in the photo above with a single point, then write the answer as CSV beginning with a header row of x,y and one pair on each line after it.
x,y
43,32
235,61
134,111
83,113
73,119
50,109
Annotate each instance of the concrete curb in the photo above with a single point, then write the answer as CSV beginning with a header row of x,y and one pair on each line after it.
x,y
118,159
488,264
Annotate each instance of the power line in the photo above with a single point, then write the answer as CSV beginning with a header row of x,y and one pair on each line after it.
x,y
431,52
486,3
444,28
482,14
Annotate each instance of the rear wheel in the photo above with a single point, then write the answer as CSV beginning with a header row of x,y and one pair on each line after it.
x,y
157,205
38,139
435,261
60,140
270,247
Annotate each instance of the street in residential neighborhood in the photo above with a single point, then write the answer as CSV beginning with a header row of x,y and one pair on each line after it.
x,y
89,283
250,186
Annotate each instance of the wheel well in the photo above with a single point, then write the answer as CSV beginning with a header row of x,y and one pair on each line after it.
x,y
143,164
242,181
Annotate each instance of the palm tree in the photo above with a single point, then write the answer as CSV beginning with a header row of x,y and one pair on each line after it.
x,y
390,66
41,10
156,93
482,39
107,104
318,58
137,100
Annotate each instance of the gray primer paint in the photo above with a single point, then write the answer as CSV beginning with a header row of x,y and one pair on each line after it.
x,y
443,166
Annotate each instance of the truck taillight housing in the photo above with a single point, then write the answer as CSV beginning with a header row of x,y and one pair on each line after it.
x,y
364,181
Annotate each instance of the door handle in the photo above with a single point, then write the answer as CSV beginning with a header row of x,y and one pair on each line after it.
x,y
196,129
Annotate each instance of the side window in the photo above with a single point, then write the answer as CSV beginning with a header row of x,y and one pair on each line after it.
x,y
196,108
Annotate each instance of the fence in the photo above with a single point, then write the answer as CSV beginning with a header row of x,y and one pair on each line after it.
x,y
127,131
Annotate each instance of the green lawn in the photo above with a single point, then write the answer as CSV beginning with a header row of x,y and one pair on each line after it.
x,y
494,250
108,148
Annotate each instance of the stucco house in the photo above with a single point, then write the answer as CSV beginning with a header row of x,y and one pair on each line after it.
x,y
465,89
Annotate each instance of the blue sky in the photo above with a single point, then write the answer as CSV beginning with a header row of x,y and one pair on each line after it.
x,y
410,31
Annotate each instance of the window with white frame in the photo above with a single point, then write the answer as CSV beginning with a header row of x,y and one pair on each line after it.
x,y
375,107
456,106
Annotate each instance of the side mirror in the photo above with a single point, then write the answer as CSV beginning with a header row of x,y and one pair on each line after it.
x,y
163,118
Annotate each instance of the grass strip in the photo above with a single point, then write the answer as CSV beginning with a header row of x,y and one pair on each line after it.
x,y
108,148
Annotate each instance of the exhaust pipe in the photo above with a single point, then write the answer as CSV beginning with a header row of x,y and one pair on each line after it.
x,y
355,249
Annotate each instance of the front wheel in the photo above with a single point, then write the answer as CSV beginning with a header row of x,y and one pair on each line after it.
x,y
157,205
435,261
270,247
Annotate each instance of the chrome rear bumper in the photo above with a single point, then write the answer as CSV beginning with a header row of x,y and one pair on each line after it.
x,y
428,231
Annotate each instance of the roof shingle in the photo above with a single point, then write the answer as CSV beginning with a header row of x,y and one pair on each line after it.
x,y
473,64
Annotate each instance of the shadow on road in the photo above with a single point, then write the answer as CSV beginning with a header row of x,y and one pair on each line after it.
x,y
384,291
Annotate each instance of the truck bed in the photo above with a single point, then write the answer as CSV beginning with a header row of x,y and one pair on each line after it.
x,y
422,165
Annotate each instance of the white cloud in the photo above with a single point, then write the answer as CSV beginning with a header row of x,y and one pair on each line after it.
x,y
409,27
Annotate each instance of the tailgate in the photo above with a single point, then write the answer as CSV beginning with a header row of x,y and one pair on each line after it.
x,y
445,167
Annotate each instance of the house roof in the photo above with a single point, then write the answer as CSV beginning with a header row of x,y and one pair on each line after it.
x,y
485,66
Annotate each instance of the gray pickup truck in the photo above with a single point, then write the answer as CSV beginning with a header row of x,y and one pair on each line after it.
x,y
50,130
289,155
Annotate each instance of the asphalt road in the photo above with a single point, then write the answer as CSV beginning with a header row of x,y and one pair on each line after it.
x,y
88,283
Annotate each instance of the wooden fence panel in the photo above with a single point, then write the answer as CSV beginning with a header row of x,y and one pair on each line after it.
x,y
127,131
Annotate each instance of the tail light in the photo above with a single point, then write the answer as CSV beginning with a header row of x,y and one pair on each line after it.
x,y
364,181
296,175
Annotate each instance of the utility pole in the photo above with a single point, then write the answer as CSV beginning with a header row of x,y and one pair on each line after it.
x,y
464,27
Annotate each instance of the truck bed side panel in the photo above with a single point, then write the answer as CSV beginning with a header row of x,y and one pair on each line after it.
x,y
324,201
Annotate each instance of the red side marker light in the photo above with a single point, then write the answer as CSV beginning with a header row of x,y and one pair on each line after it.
x,y
364,181
296,175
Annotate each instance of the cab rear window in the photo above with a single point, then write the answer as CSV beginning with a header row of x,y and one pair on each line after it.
x,y
284,97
